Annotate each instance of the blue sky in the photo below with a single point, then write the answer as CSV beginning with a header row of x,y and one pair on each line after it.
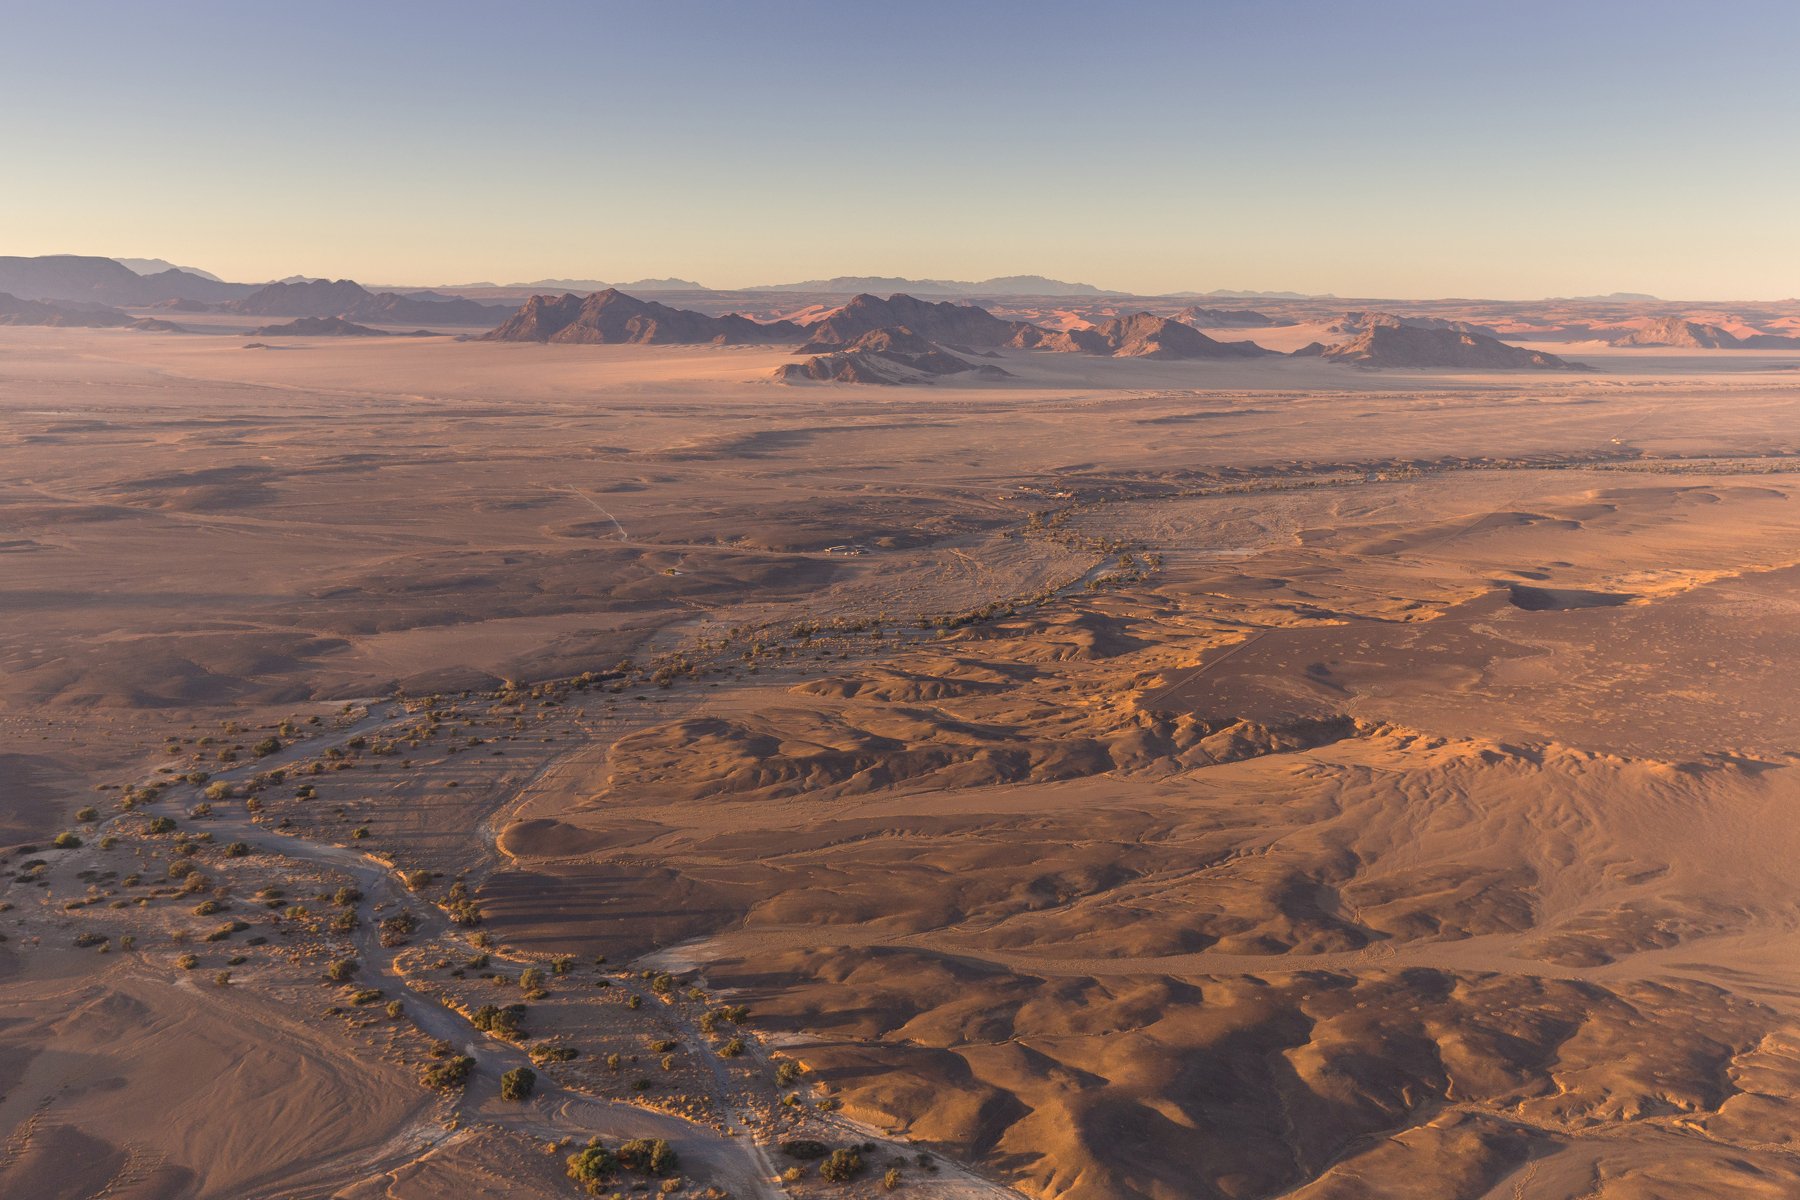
x,y
1401,148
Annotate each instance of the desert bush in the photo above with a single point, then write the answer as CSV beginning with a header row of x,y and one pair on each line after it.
x,y
187,962
87,814
652,1156
65,841
732,1049
517,1084
223,979
804,1149
346,895
891,1181
450,1073
340,969
161,825
786,1071
395,1009
266,747
662,1045
554,1054
238,850
634,1001
841,1166
591,1166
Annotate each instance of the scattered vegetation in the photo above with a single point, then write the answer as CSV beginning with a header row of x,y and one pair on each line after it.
x,y
841,1166
517,1084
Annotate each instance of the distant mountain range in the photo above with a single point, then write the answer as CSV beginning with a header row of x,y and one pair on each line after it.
x,y
87,279
1005,285
350,300
156,266
597,285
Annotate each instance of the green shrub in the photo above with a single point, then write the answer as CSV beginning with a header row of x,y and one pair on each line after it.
x,y
266,747
732,1049
65,841
652,1156
187,962
518,1083
554,1054
87,814
161,825
451,1073
804,1149
238,850
341,969
841,1166
591,1166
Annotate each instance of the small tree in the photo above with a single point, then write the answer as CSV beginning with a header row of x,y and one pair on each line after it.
x,y
652,1156
841,1166
591,1166
451,1073
518,1083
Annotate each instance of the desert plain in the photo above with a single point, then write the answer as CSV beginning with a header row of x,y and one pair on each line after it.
x,y
1130,778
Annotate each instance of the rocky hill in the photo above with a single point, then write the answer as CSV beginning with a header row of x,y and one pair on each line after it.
x,y
1384,345
1228,318
87,279
350,300
1698,335
886,356
1140,335
938,321
14,311
329,327
612,317
1005,285
1360,322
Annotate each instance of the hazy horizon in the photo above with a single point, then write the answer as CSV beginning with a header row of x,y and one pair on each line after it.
x,y
1411,150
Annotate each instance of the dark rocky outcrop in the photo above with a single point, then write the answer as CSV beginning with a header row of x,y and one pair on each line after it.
x,y
1140,335
1414,346
612,317
350,300
938,321
14,311
886,356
